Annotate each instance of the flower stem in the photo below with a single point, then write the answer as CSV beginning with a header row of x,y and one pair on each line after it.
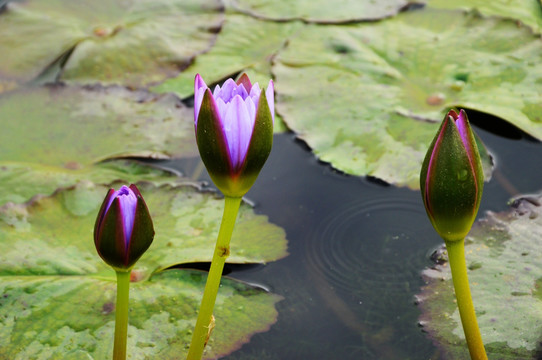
x,y
121,315
456,256
222,250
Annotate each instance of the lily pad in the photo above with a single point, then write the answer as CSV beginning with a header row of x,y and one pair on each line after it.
x,y
22,181
72,317
368,98
528,12
320,11
53,235
74,127
243,44
505,273
133,42
57,295
251,52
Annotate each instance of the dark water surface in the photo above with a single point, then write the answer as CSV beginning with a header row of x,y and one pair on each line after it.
x,y
357,248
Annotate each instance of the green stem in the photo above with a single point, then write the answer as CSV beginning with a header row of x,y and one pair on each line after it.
x,y
121,315
222,251
456,256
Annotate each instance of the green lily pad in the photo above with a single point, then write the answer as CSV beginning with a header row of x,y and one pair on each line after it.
x,y
22,181
133,42
243,44
320,11
232,53
368,98
74,127
57,295
53,235
528,12
505,273
73,317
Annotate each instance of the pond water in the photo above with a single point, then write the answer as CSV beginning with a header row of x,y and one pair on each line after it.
x,y
357,247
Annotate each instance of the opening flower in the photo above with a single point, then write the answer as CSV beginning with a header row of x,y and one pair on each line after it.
x,y
123,229
452,178
234,131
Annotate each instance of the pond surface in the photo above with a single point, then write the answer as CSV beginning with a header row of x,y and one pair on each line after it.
x,y
357,248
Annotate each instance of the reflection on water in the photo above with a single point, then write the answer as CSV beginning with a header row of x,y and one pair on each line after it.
x,y
356,252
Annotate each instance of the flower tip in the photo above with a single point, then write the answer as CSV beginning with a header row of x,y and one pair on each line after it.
x,y
270,96
245,81
453,114
198,82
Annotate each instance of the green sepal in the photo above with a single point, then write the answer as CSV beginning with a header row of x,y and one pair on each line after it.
x,y
109,241
212,142
142,233
453,190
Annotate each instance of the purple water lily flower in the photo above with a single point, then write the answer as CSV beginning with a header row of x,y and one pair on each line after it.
x,y
452,178
123,229
234,131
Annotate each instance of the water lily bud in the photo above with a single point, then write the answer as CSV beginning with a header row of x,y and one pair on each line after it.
x,y
123,230
234,131
452,179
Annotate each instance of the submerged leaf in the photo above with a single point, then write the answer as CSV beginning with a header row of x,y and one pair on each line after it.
x,y
368,97
505,274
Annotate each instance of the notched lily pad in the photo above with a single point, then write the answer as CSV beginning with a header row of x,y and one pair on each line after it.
x,y
505,273
133,42
73,127
368,98
320,11
53,235
73,317
57,296
232,54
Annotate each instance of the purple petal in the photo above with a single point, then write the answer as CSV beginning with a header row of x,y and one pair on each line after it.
x,y
461,124
221,108
227,92
251,108
241,91
128,204
238,130
255,92
270,95
199,90
245,81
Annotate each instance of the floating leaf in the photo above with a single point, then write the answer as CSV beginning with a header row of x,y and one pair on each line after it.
x,y
57,295
21,181
133,42
320,11
528,12
232,53
73,317
368,98
73,126
53,235
505,273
